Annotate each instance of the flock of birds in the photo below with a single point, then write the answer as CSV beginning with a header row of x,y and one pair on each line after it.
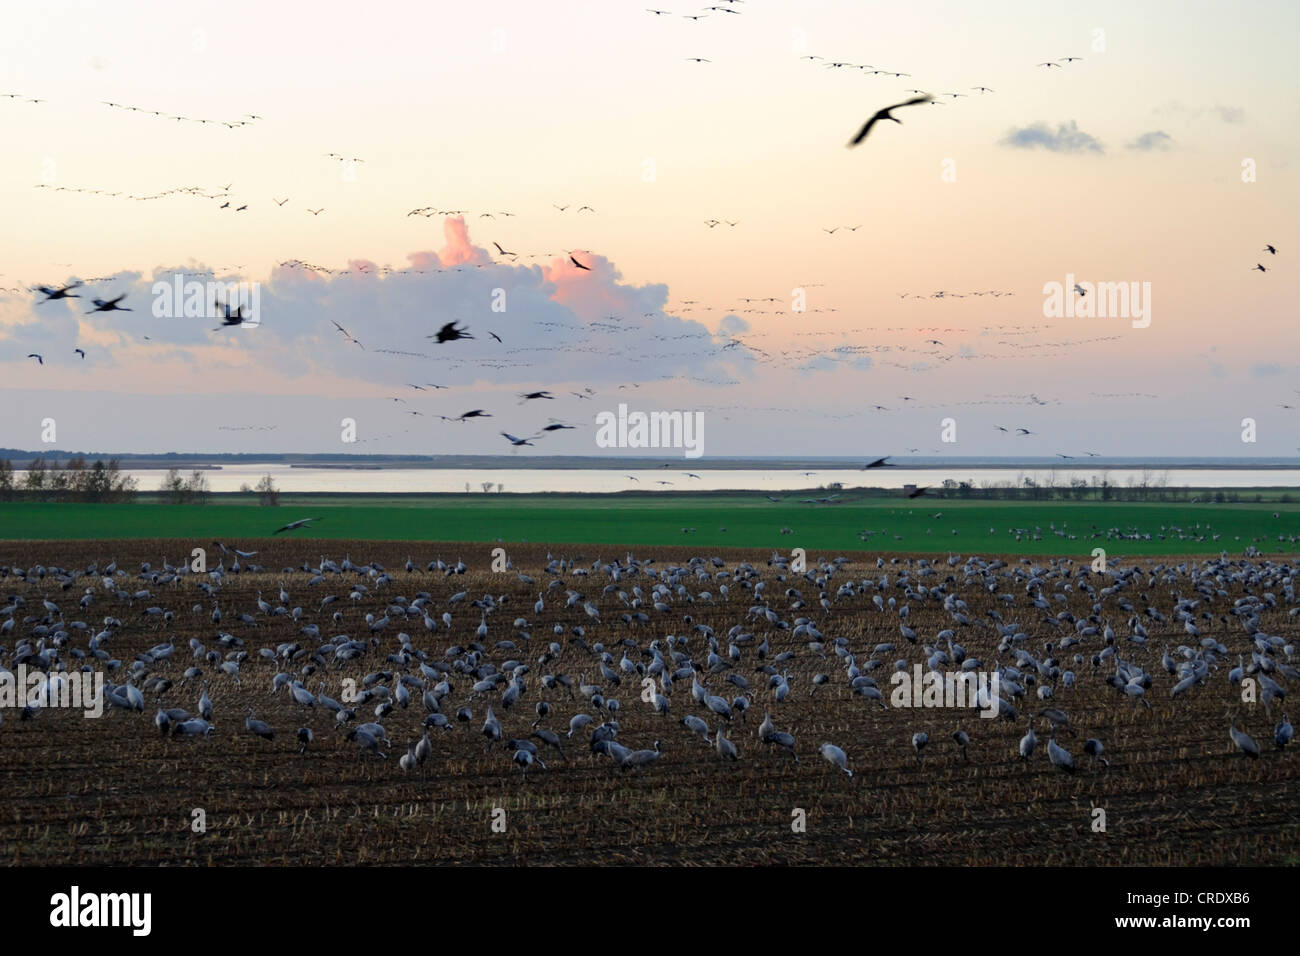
x,y
660,356
604,637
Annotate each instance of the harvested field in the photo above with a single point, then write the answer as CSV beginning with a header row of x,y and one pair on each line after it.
x,y
115,790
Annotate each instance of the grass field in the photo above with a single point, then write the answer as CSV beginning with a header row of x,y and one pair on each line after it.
x,y
748,521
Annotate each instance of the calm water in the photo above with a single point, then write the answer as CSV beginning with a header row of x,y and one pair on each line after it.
x,y
231,477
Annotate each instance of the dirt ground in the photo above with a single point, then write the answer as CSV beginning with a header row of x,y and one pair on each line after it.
x,y
114,790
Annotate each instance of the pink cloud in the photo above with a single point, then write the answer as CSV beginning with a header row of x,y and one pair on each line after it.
x,y
459,250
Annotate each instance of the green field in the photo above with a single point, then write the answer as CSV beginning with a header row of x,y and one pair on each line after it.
x,y
735,521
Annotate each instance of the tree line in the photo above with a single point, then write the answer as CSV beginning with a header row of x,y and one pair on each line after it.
x,y
75,481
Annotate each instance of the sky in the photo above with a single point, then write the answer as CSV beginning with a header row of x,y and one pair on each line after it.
x,y
1165,156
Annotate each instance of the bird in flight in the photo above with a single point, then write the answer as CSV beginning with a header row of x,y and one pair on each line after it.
x,y
918,492
1270,250
316,212
1070,59
878,463
1050,65
530,395
348,335
1023,431
502,251
983,89
300,523
698,59
556,427
279,202
231,319
449,333
885,114
109,305
1259,267
61,293
38,358
80,352
495,336
518,442
658,13
1080,290
476,413
579,264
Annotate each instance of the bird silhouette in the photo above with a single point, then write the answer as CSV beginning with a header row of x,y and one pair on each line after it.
x,y
886,114
61,293
449,333
109,305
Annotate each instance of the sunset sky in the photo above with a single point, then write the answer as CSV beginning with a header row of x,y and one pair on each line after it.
x,y
1127,165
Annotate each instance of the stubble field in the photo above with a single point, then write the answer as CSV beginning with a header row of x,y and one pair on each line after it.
x,y
115,790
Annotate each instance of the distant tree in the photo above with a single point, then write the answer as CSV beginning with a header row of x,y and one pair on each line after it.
x,y
173,486
487,486
75,478
267,493
6,479
121,487
98,483
198,487
500,487
34,480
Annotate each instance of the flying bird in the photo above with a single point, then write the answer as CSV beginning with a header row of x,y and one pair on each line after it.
x,y
502,251
61,293
878,463
80,352
517,442
542,394
300,523
495,336
109,305
579,264
449,333
347,335
39,360
885,114
1270,250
